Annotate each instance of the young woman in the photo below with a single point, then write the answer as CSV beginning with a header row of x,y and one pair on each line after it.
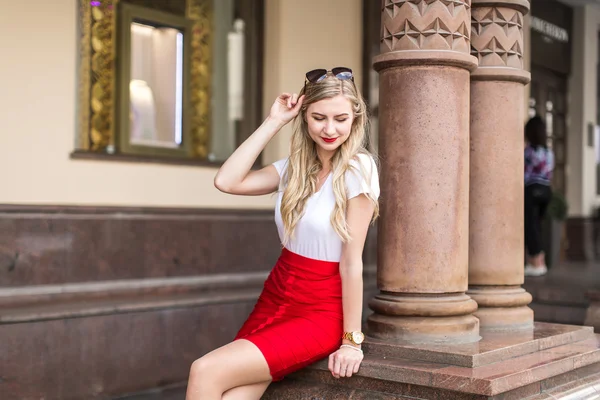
x,y
328,188
539,163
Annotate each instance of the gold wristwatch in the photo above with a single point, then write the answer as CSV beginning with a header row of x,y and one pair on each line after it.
x,y
355,337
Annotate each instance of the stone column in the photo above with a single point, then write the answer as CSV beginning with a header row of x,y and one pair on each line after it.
x,y
496,244
424,69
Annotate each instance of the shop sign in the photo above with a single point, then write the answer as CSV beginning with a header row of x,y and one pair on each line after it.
x,y
549,29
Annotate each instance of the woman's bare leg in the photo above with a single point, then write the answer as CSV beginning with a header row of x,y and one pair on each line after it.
x,y
248,392
239,363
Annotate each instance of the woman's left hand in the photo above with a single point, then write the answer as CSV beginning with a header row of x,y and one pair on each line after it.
x,y
345,362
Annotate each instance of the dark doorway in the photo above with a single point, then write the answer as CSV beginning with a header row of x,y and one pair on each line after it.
x,y
548,99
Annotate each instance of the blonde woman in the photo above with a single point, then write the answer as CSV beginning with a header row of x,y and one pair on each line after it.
x,y
328,189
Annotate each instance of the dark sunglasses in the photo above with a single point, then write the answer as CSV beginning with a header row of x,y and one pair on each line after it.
x,y
317,75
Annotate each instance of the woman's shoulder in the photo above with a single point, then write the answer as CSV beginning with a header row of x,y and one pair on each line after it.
x,y
362,176
363,164
364,160
281,165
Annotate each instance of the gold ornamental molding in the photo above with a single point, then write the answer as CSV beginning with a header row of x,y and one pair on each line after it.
x,y
201,13
84,21
97,81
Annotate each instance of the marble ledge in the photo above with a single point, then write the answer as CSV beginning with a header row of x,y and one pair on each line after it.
x,y
494,346
488,380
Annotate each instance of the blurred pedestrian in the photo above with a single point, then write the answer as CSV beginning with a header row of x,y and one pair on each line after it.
x,y
539,163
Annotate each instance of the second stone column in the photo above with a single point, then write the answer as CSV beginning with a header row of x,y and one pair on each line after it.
x,y
496,194
424,68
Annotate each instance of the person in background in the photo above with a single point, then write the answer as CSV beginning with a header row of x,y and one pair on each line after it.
x,y
539,163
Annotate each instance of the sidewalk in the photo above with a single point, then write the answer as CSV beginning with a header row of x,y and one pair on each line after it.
x,y
560,295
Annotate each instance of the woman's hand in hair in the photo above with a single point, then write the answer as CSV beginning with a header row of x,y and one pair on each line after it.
x,y
286,107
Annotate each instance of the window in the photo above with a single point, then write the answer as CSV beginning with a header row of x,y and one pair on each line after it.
x,y
182,80
153,62
238,73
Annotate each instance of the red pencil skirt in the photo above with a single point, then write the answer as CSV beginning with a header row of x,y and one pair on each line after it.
x,y
297,319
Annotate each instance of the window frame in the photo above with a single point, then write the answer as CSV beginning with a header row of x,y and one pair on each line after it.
x,y
126,15
98,125
253,13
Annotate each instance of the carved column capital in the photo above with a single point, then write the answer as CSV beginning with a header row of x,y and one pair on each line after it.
x,y
497,39
522,5
425,32
425,25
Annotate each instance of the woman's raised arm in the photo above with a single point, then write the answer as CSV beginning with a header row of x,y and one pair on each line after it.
x,y
235,176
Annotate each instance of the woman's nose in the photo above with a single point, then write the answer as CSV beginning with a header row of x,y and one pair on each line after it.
x,y
329,128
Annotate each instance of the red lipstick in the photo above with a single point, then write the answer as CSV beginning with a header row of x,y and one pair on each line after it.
x,y
329,140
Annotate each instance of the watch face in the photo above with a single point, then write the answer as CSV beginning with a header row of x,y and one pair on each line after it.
x,y
358,337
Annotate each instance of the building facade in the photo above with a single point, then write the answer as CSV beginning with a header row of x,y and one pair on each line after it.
x,y
564,76
115,246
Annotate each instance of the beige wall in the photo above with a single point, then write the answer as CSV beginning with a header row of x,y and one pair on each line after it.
x,y
581,170
37,106
304,35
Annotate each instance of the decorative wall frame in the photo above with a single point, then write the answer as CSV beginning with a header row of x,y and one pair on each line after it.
x,y
97,86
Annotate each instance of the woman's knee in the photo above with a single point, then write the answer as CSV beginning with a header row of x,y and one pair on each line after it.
x,y
203,369
204,381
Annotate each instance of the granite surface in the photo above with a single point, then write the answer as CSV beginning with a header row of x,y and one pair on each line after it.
x,y
488,380
562,367
494,346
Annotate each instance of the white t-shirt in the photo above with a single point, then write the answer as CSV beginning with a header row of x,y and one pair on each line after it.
x,y
314,236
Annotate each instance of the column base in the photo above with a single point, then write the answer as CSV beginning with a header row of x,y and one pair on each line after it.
x,y
423,330
502,308
403,318
505,319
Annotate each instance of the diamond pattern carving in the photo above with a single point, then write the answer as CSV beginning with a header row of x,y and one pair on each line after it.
x,y
422,6
425,24
497,36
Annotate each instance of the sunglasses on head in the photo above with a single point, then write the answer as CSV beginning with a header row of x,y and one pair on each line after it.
x,y
317,75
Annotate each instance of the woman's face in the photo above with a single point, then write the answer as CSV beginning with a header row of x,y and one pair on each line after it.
x,y
330,122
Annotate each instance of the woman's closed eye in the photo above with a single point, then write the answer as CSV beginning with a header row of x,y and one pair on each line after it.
x,y
337,120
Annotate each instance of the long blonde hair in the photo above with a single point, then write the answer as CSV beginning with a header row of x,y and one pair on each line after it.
x,y
304,164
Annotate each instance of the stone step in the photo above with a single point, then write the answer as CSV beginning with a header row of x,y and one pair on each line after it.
x,y
494,347
571,369
583,389
525,375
